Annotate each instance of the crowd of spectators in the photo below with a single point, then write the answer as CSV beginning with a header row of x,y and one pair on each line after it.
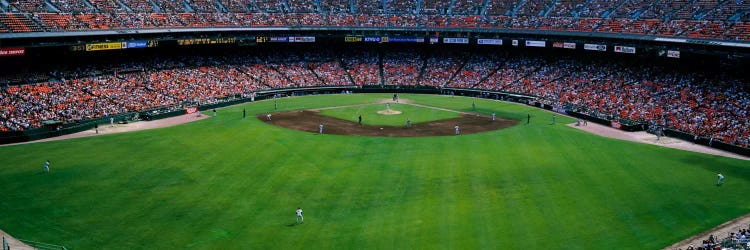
x,y
402,67
734,240
728,20
708,105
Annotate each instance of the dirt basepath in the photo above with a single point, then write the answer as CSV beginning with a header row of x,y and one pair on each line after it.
x,y
13,243
121,128
644,137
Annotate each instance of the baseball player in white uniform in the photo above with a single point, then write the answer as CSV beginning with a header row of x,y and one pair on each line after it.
x,y
299,218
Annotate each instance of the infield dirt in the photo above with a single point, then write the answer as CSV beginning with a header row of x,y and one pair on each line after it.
x,y
309,120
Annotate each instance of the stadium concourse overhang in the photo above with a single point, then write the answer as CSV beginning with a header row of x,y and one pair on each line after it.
x,y
247,36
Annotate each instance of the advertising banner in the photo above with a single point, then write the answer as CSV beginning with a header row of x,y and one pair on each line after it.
x,y
403,39
105,46
625,49
206,40
540,44
569,45
616,125
353,39
12,51
279,39
433,40
514,42
490,41
458,40
597,47
136,44
301,39
191,110
372,39
673,53
557,44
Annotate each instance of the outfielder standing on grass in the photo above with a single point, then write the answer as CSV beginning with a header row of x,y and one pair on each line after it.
x,y
320,129
721,179
46,166
299,218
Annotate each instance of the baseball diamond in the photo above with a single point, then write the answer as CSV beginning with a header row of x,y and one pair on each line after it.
x,y
225,182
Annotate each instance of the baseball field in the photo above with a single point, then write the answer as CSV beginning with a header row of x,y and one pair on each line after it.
x,y
230,182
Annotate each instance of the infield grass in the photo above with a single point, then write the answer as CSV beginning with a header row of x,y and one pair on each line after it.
x,y
234,183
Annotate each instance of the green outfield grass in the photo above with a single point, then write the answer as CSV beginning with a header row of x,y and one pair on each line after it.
x,y
371,116
234,183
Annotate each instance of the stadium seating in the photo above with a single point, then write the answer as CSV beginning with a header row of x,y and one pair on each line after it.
x,y
708,105
710,19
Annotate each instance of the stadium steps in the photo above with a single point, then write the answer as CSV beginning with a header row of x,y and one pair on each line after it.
x,y
640,12
284,7
51,6
576,11
155,6
242,69
422,69
220,7
343,66
4,5
736,16
684,11
700,16
88,4
255,6
312,70
271,65
380,69
460,68
608,13
484,78
483,11
318,7
550,8
516,7
124,6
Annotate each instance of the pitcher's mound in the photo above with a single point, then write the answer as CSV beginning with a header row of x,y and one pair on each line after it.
x,y
389,112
